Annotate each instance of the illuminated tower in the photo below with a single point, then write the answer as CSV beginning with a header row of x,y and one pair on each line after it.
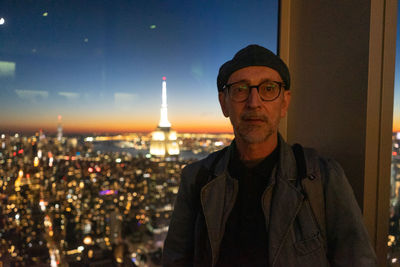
x,y
59,129
164,113
163,140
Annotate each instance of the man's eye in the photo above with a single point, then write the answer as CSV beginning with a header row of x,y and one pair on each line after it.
x,y
240,88
269,87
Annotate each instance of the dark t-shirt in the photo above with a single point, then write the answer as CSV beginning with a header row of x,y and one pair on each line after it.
x,y
245,241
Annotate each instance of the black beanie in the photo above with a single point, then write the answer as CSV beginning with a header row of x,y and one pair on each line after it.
x,y
253,55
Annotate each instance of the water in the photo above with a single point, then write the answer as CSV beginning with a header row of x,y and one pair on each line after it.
x,y
113,146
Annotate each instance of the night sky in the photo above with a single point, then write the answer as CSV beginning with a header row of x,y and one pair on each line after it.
x,y
100,64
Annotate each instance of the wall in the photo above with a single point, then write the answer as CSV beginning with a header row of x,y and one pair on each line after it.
x,y
341,58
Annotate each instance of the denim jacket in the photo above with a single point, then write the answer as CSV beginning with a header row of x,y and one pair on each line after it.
x,y
293,235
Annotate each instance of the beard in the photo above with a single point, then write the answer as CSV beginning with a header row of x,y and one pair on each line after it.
x,y
254,133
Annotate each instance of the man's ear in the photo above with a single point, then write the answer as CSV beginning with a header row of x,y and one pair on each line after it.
x,y
285,102
222,102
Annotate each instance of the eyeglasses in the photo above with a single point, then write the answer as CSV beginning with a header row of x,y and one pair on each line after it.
x,y
240,91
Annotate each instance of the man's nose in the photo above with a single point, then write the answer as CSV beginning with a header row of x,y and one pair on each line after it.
x,y
254,99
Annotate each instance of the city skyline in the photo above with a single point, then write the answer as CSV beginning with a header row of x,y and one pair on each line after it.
x,y
185,124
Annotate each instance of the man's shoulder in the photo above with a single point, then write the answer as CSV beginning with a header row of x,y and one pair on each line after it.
x,y
329,169
318,164
325,163
314,157
205,163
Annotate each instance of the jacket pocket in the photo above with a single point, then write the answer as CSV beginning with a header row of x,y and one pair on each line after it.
x,y
309,245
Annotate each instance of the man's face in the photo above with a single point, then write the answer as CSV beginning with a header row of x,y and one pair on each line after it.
x,y
254,120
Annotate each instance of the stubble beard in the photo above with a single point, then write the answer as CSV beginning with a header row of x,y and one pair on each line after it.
x,y
254,134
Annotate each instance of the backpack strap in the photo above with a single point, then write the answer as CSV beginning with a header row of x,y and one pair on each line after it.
x,y
310,181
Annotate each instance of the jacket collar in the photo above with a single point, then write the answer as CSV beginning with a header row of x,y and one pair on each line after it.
x,y
221,167
286,158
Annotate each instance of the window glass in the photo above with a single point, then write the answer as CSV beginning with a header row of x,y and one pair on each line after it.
x,y
394,220
82,105
99,64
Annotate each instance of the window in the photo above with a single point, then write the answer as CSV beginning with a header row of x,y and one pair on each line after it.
x,y
394,220
76,73
100,66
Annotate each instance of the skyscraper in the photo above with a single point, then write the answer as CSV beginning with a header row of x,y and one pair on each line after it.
x,y
163,140
59,129
164,123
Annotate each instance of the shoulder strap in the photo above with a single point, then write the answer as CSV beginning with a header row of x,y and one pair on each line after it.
x,y
300,163
310,180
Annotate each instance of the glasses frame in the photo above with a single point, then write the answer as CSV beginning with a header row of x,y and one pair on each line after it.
x,y
228,86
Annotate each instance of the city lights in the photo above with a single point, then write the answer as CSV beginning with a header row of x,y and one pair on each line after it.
x,y
42,205
394,222
108,192
65,193
87,240
36,162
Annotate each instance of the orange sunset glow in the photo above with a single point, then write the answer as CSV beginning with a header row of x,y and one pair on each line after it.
x,y
396,122
118,125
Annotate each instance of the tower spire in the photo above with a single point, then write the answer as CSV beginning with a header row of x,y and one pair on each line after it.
x,y
164,113
59,129
164,139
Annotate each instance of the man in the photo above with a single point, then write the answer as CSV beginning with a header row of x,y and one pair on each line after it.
x,y
244,206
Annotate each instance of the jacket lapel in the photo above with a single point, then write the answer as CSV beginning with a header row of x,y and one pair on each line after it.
x,y
217,200
285,203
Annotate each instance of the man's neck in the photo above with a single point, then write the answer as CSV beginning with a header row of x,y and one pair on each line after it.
x,y
257,151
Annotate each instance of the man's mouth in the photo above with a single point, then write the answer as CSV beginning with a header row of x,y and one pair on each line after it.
x,y
254,119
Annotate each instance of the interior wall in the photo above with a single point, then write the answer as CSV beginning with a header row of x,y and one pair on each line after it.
x,y
341,56
329,46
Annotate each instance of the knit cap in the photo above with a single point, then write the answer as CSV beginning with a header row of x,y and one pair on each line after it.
x,y
253,55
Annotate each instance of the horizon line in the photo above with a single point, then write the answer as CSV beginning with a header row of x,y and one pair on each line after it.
x,y
69,133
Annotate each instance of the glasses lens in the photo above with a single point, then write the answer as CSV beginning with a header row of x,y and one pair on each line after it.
x,y
239,91
269,90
